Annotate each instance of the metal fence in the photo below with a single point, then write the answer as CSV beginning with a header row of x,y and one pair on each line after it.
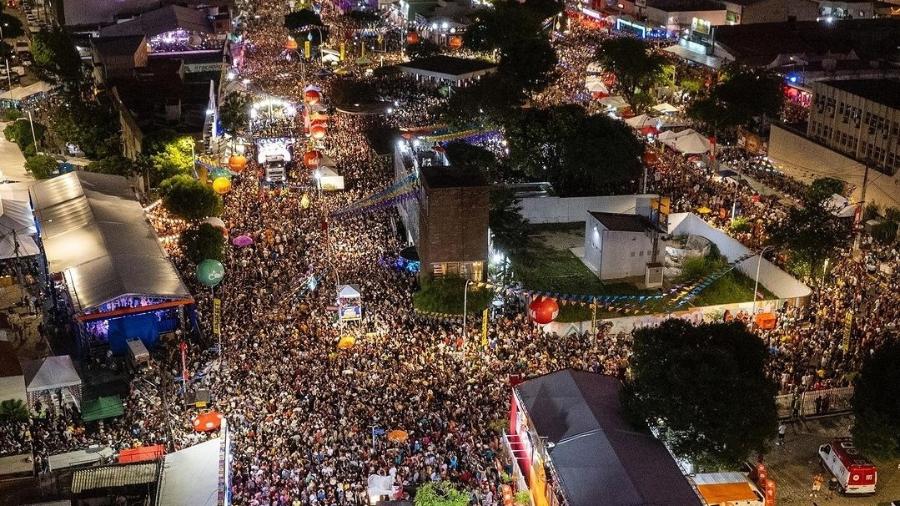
x,y
832,401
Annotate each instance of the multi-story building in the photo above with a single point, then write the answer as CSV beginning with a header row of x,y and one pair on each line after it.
x,y
859,118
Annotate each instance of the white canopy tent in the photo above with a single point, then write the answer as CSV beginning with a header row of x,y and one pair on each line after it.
x,y
641,121
665,108
688,142
614,102
380,486
52,374
594,84
840,206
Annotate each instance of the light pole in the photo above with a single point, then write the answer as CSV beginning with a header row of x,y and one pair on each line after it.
x,y
756,282
465,303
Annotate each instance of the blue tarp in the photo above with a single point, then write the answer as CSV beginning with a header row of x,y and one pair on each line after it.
x,y
143,326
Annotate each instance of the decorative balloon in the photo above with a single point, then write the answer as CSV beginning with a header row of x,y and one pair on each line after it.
x,y
312,97
237,163
412,38
221,185
218,172
304,202
543,310
455,42
290,44
311,159
317,132
210,272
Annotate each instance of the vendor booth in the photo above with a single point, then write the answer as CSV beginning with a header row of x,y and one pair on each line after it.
x,y
52,379
349,302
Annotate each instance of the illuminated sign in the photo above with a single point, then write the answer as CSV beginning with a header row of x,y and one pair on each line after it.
x,y
701,26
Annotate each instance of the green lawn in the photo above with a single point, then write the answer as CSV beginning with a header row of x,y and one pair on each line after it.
x,y
445,295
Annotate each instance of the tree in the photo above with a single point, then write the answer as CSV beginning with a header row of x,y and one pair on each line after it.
x,y
441,493
41,166
116,165
504,25
739,100
705,389
55,53
19,132
579,154
168,154
189,199
92,126
234,113
470,158
422,49
509,230
876,403
200,243
13,409
811,232
823,188
487,103
348,90
530,63
635,67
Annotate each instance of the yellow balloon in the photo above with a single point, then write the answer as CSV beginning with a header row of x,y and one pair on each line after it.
x,y
221,185
304,202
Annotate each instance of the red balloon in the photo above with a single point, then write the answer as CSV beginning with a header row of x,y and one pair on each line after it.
x,y
543,310
290,44
412,38
455,42
317,132
311,159
312,97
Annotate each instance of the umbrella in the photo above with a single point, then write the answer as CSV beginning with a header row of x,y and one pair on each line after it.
x,y
397,436
595,85
242,241
346,342
207,421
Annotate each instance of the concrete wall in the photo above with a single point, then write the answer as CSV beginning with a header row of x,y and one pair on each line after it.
x,y
13,387
803,159
574,209
677,20
781,284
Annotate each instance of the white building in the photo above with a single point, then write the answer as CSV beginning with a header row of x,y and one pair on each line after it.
x,y
617,245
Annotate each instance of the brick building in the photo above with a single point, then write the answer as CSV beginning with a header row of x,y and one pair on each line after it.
x,y
453,223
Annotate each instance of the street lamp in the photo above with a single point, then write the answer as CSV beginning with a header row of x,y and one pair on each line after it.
x,y
465,304
756,282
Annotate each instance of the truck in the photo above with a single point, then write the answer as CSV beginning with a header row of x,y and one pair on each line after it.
x,y
275,169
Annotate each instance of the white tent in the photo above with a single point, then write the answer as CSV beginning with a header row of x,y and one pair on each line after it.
x,y
328,179
614,102
17,246
595,85
667,136
348,292
16,223
641,121
665,108
692,144
840,206
379,486
50,373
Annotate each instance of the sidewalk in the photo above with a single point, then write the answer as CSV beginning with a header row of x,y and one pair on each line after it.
x,y
12,162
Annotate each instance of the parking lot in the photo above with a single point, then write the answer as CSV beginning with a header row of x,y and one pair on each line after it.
x,y
794,465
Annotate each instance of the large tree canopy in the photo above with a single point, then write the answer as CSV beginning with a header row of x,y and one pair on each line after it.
x,y
509,230
488,102
189,199
579,154
811,233
635,67
739,99
55,53
876,403
200,243
704,387
441,493
168,154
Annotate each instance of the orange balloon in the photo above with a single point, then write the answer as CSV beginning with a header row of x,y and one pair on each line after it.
x,y
412,38
311,159
317,132
455,42
290,44
221,185
237,163
312,97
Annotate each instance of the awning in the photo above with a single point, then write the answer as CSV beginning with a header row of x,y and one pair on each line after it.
x,y
114,476
683,52
102,408
141,454
665,108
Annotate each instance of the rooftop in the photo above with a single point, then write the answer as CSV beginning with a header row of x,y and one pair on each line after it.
x,y
882,91
450,177
126,45
103,477
598,456
623,222
449,65
686,5
162,20
9,362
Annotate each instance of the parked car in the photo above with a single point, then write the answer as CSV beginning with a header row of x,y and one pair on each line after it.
x,y
854,473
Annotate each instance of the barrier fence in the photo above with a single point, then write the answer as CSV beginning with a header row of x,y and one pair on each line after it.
x,y
831,401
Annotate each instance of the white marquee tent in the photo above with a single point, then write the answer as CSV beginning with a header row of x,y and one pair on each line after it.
x,y
16,223
688,142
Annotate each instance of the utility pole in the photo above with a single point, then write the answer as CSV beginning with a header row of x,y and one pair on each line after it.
x,y
857,222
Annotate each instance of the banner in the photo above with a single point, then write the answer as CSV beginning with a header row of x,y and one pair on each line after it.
x,y
848,327
484,327
217,317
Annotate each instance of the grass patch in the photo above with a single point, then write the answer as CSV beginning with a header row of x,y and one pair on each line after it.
x,y
730,288
445,295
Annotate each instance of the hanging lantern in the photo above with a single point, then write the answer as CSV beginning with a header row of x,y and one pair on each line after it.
x,y
312,97
221,185
290,44
304,201
210,272
317,132
311,159
412,38
543,310
455,42
237,163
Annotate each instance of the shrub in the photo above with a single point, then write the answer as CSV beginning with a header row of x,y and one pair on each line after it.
x,y
41,166
205,241
189,199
